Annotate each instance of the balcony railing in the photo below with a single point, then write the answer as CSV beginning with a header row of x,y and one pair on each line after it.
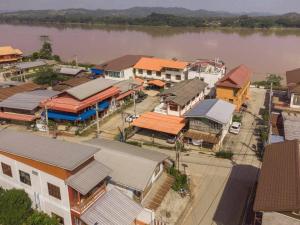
x,y
84,204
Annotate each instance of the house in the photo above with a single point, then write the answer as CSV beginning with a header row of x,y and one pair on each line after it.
x,y
9,54
166,70
209,71
234,86
29,67
277,195
181,97
291,125
70,83
12,90
209,122
127,89
64,180
78,104
134,171
118,69
25,106
71,71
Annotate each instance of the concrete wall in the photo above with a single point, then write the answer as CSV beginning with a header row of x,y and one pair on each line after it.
x,y
124,75
163,76
38,191
292,103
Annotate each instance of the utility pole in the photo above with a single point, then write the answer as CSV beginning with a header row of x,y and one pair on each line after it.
x,y
270,112
123,127
97,120
47,118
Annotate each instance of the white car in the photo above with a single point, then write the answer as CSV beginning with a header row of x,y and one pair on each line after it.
x,y
235,128
131,118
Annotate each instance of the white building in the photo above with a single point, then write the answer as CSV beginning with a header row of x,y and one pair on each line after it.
x,y
181,97
208,71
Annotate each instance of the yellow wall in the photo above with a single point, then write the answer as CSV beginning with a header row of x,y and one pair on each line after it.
x,y
241,96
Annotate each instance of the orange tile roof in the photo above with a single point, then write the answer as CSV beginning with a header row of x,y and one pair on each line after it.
x,y
157,64
16,116
67,103
8,50
140,80
157,83
160,122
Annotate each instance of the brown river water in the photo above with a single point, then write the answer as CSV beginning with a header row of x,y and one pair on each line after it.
x,y
263,51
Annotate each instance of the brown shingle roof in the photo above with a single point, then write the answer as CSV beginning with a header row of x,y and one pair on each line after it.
x,y
10,91
73,82
121,63
236,78
293,76
279,182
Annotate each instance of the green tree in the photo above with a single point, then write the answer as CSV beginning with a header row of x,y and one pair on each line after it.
x,y
49,77
275,79
15,207
40,218
46,51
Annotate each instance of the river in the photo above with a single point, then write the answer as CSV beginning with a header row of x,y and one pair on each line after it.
x,y
263,51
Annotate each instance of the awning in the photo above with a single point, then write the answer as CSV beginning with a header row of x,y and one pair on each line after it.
x,y
70,116
124,95
16,116
198,135
157,83
113,208
160,122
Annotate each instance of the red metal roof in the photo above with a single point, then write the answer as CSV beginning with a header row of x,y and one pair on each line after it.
x,y
160,122
16,116
157,83
67,103
236,78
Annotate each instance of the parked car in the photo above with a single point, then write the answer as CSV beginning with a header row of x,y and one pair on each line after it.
x,y
131,118
235,128
172,140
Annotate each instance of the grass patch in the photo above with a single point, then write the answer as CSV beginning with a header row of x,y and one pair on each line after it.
x,y
224,154
181,181
135,143
237,118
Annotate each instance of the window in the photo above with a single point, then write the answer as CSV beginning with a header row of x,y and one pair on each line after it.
x,y
168,76
6,169
134,70
231,100
59,219
296,100
178,77
140,71
54,191
158,74
173,107
25,177
149,72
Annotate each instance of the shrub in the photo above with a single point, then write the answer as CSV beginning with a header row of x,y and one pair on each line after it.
x,y
224,154
237,118
135,143
181,181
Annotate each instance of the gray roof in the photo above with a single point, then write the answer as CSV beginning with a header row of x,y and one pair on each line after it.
x,y
62,154
127,85
88,177
113,208
214,109
28,100
29,65
90,88
291,123
70,71
184,91
131,166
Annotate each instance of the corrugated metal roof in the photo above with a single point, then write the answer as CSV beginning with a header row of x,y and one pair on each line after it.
x,y
70,71
113,208
90,88
28,65
88,177
215,109
127,85
131,166
157,64
291,123
28,100
279,181
53,152
9,91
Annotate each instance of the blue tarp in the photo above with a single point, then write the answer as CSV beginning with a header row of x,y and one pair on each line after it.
x,y
96,71
103,105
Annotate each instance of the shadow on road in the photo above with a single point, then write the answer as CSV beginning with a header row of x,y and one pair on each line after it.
x,y
234,201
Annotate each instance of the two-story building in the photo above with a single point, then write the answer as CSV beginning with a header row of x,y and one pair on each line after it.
x,y
209,122
64,180
209,71
169,71
234,86
9,54
181,97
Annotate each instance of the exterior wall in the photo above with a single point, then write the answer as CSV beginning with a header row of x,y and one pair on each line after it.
x,y
38,191
295,101
162,76
124,74
227,94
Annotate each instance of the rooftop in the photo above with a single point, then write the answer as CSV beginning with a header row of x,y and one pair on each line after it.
x,y
158,64
211,108
293,76
183,92
10,91
62,154
127,85
29,65
291,124
121,63
90,88
27,100
70,71
236,78
8,50
131,166
73,82
278,187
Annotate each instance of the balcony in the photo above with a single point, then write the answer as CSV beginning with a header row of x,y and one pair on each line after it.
x,y
161,108
85,202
